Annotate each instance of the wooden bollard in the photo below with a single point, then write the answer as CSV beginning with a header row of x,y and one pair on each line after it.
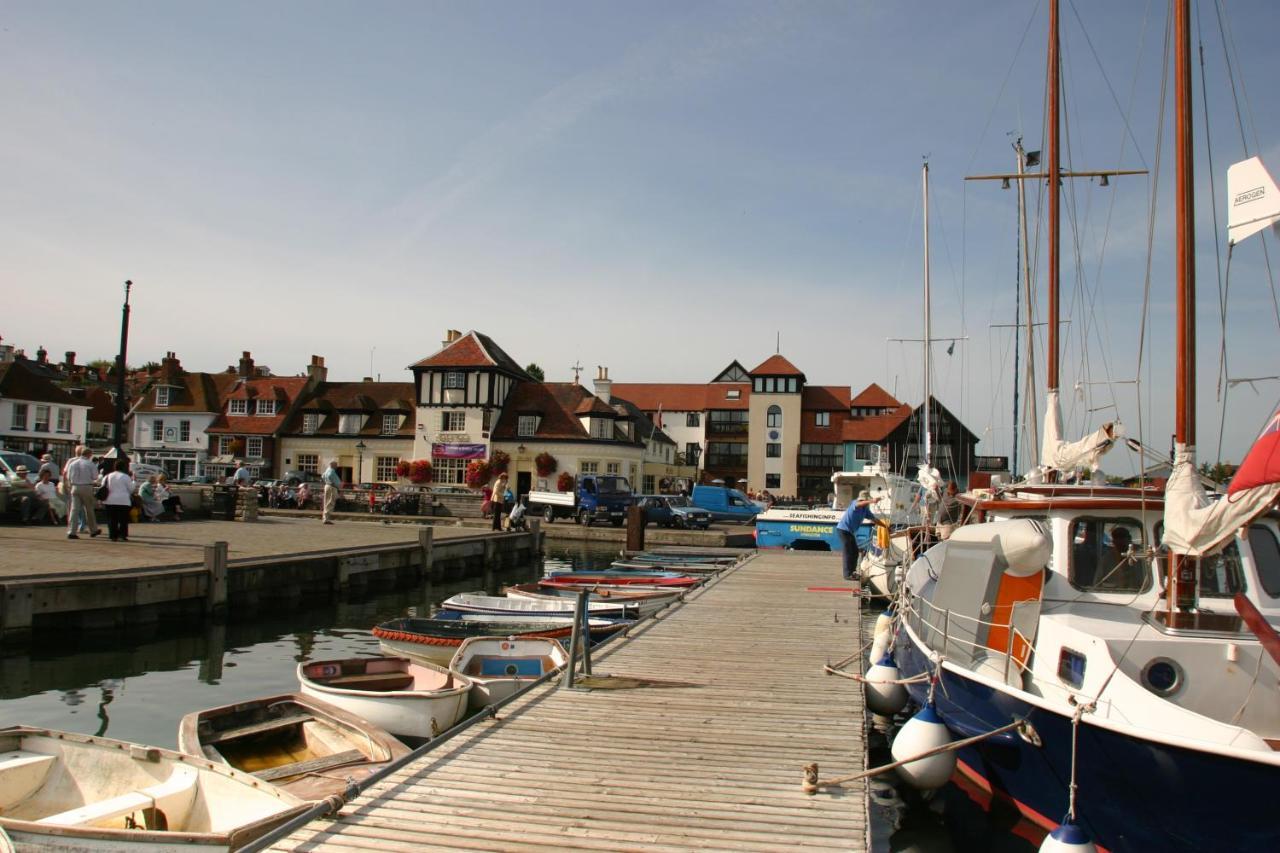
x,y
810,785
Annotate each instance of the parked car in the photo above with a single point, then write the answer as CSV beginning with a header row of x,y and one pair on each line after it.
x,y
725,504
673,511
202,480
11,459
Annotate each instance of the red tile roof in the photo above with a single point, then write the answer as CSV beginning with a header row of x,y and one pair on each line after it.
x,y
371,398
825,397
776,365
19,382
472,350
875,428
556,403
682,397
875,396
284,389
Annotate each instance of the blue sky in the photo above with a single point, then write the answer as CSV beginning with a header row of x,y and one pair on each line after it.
x,y
661,187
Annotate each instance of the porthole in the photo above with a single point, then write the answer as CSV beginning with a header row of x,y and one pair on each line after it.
x,y
1162,676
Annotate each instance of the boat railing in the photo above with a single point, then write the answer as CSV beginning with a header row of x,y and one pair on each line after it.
x,y
961,630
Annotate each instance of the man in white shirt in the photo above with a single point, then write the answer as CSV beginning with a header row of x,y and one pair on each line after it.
x,y
332,483
81,475
242,478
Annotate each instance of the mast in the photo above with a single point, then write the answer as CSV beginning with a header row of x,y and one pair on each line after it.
x,y
928,331
1034,446
1051,377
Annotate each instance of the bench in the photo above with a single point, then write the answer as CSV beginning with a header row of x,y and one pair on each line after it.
x,y
377,681
314,765
173,796
256,728
22,773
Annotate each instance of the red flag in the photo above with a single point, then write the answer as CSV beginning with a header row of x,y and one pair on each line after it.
x,y
1261,466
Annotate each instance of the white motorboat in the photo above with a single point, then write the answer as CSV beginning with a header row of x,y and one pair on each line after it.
x,y
499,666
66,791
415,699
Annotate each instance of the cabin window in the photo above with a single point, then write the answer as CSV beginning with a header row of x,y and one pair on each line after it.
x,y
1108,555
1221,574
1266,556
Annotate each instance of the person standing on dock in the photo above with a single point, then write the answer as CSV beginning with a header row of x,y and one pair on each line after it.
x,y
80,475
332,482
858,512
499,499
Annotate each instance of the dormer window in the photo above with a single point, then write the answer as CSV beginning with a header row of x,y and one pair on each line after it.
x,y
390,424
266,407
350,424
238,407
310,423
162,395
455,379
601,428
527,425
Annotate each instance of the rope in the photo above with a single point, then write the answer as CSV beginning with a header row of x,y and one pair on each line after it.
x,y
1075,727
812,783
853,676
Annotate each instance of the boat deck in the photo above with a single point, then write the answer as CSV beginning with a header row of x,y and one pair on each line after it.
x,y
700,744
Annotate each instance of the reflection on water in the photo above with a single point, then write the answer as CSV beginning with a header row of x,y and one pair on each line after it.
x,y
138,688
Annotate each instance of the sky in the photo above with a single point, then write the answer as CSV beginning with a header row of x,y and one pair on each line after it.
x,y
659,187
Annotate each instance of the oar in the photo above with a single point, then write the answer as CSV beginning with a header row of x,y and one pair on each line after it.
x,y
1259,626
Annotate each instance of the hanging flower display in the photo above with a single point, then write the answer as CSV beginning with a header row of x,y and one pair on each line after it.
x,y
546,464
499,461
565,482
419,471
477,473
403,467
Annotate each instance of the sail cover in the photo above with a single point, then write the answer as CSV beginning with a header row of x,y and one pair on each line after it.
x,y
1065,456
1195,526
1253,201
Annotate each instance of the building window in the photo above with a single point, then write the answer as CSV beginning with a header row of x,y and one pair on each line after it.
x,y
455,379
184,430
693,419
228,445
238,407
733,394
384,470
64,420
612,468
19,416
486,420
773,450
350,424
757,385
42,419
310,423
390,424
588,467
648,484
309,463
773,481
157,430
822,419
726,454
774,417
266,407
601,428
826,456
448,471
162,395
527,425
791,384
692,452
453,421
253,447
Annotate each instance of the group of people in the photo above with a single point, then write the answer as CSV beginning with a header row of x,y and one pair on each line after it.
x,y
950,515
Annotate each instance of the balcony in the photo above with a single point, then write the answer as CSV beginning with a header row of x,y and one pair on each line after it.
x,y
722,462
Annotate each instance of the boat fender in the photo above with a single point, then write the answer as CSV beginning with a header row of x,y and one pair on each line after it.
x,y
879,647
923,732
1022,546
1067,838
884,694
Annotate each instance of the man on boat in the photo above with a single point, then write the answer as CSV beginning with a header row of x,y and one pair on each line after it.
x,y
858,513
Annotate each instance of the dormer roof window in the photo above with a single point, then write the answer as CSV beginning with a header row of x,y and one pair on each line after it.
x,y
266,407
238,407
162,395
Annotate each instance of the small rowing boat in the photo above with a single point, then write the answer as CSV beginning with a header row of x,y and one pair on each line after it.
x,y
646,601
308,747
652,579
554,606
499,666
413,699
436,640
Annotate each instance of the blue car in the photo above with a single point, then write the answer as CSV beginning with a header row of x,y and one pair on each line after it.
x,y
673,511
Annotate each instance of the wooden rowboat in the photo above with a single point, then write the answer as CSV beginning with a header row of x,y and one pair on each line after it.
x,y
308,747
553,606
436,640
409,699
66,791
646,601
653,579
499,666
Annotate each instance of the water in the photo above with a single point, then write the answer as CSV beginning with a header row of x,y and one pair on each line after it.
x,y
139,689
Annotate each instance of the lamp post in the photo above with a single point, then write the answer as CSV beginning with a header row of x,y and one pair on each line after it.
x,y
118,426
360,449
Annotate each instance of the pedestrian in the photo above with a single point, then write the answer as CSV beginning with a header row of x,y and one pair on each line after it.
x,y
46,499
172,503
81,475
332,482
119,501
858,512
47,464
499,499
950,511
243,476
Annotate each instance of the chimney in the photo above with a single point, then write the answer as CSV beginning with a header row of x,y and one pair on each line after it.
x,y
246,370
170,369
42,355
367,379
316,371
603,384
70,359
450,336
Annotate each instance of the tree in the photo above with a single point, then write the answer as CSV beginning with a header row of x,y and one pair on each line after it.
x,y
1219,472
535,371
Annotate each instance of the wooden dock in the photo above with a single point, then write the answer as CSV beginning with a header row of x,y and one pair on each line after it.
x,y
715,763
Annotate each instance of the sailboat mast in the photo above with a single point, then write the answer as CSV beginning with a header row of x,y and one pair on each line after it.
x,y
928,323
1055,63
1184,412
1033,445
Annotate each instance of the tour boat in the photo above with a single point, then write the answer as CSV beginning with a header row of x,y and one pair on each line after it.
x,y
306,746
66,791
414,699
499,666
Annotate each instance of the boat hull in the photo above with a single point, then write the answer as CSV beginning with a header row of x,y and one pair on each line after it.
x,y
498,667
415,711
1128,787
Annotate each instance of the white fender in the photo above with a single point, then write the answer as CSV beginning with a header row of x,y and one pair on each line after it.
x,y
884,695
1067,838
921,733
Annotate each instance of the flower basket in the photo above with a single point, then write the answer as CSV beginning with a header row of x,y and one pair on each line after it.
x,y
477,474
499,461
545,464
403,469
419,471
565,482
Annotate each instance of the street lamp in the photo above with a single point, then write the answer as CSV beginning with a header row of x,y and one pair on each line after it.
x,y
360,449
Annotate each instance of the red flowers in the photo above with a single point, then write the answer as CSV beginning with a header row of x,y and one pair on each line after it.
x,y
478,474
403,467
565,482
499,461
546,465
419,471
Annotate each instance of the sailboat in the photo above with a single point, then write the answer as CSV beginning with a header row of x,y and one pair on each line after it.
x,y
1128,633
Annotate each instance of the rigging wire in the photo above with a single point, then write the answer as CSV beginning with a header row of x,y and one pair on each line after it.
x,y
1004,84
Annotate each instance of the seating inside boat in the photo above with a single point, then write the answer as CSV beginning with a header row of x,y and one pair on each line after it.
x,y
525,667
372,681
165,804
21,773
255,728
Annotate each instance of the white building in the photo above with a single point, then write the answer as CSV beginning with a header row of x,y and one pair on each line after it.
x,y
36,416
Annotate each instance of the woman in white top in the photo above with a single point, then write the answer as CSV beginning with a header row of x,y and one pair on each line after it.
x,y
119,501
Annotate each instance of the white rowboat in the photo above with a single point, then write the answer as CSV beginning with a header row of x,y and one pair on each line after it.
x,y
407,698
499,666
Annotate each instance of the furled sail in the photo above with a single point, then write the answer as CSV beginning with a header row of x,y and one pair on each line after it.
x,y
1253,201
1064,456
1196,526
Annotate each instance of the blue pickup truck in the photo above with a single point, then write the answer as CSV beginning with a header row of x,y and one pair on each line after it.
x,y
596,497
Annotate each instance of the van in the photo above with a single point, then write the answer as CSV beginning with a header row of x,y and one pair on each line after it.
x,y
725,504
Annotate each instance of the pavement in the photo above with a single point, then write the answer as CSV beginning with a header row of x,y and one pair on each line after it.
x,y
45,550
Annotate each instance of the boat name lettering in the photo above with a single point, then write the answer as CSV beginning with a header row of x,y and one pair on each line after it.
x,y
819,529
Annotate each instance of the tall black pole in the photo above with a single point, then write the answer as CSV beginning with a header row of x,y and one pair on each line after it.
x,y
118,429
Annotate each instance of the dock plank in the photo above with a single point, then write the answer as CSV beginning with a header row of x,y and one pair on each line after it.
x,y
713,764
